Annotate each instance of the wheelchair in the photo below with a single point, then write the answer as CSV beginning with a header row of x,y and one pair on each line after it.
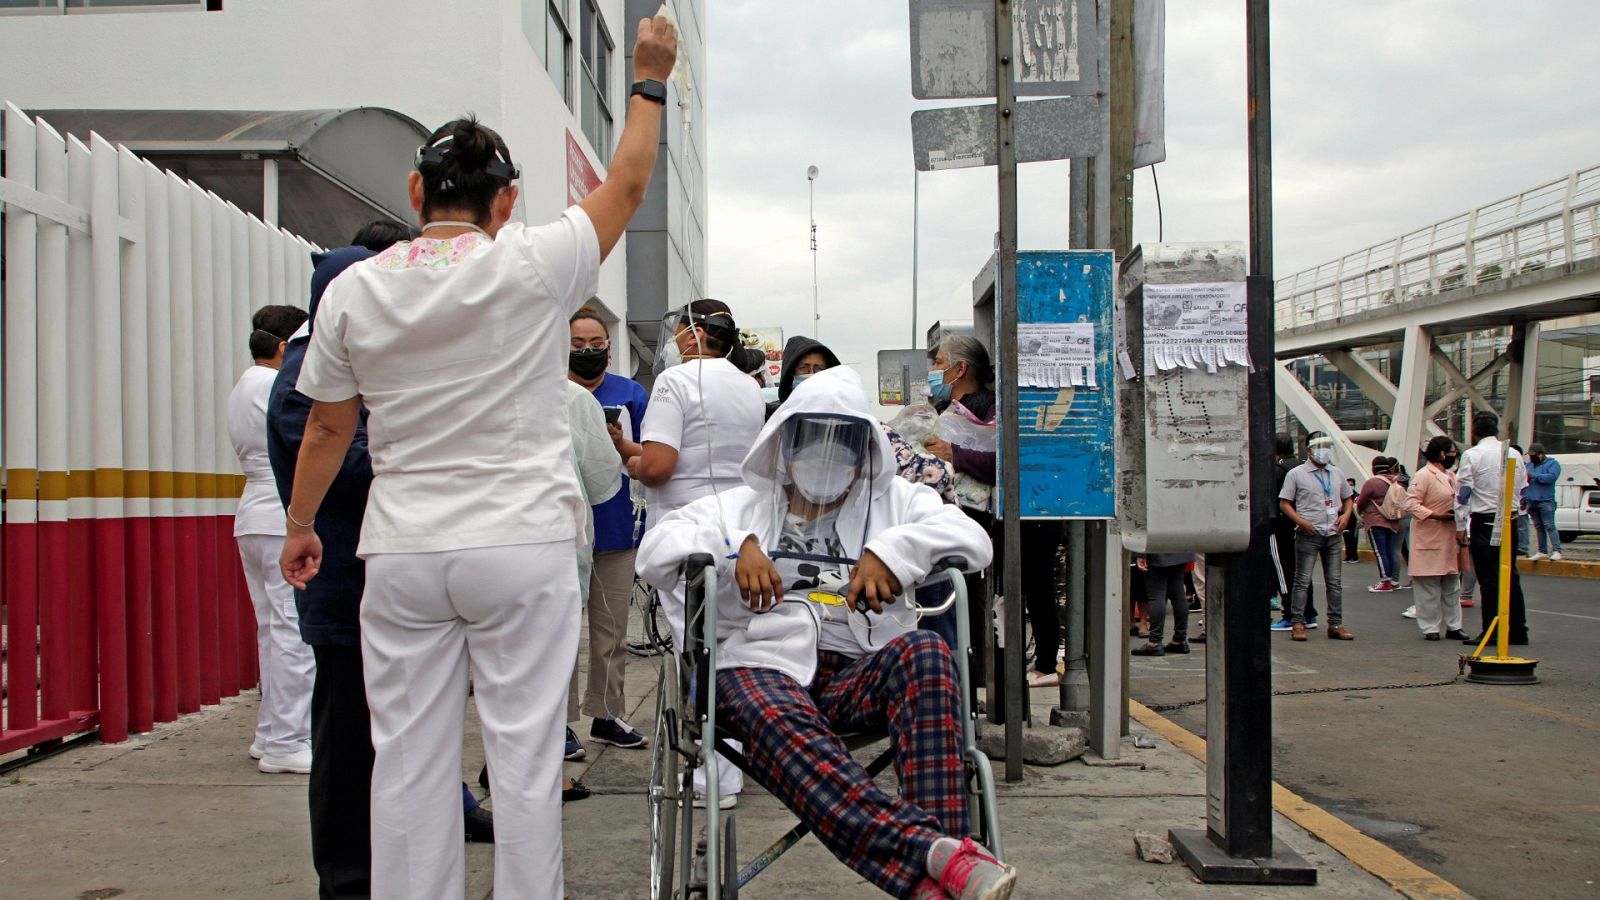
x,y
688,864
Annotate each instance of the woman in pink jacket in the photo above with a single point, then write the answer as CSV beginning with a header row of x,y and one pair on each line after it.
x,y
1435,539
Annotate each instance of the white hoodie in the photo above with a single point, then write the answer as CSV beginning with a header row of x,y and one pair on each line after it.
x,y
906,526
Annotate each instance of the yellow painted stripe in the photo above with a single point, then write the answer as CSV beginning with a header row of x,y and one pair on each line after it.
x,y
1405,876
127,484
1562,568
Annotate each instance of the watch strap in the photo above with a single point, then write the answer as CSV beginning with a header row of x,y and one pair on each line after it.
x,y
650,89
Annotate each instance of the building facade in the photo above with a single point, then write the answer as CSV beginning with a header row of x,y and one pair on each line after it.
x,y
551,76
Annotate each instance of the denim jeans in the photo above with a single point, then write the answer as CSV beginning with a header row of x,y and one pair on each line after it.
x,y
1543,514
1386,548
1307,548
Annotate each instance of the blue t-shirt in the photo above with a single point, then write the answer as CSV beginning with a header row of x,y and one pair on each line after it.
x,y
613,519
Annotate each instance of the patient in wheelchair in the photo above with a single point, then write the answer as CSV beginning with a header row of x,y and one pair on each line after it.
x,y
815,639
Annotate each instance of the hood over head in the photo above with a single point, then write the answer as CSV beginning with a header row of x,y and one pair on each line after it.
x,y
328,266
797,347
835,392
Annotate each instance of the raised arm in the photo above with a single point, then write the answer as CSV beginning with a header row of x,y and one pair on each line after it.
x,y
613,203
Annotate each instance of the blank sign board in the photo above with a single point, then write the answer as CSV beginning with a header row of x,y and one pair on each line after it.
x,y
952,48
959,137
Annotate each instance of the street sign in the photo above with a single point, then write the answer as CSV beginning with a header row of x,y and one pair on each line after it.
x,y
952,48
960,137
902,377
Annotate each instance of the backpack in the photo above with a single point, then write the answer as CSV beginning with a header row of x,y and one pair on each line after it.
x,y
1393,505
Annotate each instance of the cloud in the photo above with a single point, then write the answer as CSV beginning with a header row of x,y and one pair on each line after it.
x,y
1386,117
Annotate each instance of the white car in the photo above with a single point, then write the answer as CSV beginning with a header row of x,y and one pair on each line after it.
x,y
1580,518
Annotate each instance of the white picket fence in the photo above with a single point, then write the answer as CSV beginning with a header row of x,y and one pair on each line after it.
x,y
127,301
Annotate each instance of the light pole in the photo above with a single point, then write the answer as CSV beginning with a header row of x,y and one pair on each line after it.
x,y
816,316
916,219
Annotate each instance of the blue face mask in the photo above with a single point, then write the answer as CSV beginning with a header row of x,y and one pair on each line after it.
x,y
795,381
938,391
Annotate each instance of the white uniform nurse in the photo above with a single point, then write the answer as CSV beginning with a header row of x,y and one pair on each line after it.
x,y
469,536
704,417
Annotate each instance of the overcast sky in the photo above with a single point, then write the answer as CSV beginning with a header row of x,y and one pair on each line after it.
x,y
1387,116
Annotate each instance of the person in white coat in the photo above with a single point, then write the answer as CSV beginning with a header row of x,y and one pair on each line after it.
x,y
812,640
283,722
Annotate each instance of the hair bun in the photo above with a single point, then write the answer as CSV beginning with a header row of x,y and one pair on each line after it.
x,y
473,146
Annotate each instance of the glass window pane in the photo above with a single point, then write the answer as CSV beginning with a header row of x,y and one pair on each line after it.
x,y
534,13
556,49
29,4
586,29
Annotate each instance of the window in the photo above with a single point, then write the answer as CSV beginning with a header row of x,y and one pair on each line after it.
x,y
59,6
558,51
597,50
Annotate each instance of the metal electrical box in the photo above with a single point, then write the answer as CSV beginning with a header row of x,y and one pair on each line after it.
x,y
1065,302
1183,480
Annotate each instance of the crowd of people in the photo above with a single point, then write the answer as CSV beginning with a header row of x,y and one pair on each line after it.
x,y
444,473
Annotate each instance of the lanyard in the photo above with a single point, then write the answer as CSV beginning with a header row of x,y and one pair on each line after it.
x,y
1325,479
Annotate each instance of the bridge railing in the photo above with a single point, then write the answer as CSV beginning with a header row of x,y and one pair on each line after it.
x,y
1553,224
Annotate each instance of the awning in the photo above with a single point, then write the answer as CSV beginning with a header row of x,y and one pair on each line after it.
x,y
337,169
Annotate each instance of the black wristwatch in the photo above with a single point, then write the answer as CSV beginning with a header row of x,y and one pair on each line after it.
x,y
650,89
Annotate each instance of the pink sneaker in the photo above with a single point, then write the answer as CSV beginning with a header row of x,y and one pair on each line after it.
x,y
968,872
1382,587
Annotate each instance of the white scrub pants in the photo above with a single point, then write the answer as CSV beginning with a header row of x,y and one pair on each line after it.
x,y
283,723
1438,602
513,611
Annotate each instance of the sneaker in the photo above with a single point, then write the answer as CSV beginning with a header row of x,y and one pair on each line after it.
x,y
255,750
968,872
1403,586
1410,613
1275,604
1382,587
726,801
1311,622
574,750
1281,625
298,763
1177,647
1536,556
1556,556
617,733
1148,650
479,824
928,889
1468,602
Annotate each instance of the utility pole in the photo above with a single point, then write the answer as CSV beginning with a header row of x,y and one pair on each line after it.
x,y
916,234
1005,299
816,314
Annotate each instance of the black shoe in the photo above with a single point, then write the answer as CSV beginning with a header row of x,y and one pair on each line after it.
x,y
1472,640
483,779
1519,641
1149,650
1178,647
1431,636
480,825
1198,639
578,791
1456,634
1135,632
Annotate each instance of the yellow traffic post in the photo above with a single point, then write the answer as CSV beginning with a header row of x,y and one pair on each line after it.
x,y
1502,667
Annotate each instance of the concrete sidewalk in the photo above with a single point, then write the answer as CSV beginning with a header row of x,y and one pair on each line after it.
x,y
182,812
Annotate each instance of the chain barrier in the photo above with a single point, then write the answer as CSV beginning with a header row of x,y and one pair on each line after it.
x,y
1174,707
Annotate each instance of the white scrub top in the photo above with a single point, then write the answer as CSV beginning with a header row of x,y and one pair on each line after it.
x,y
710,412
260,509
459,349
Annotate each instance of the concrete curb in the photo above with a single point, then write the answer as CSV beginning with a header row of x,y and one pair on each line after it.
x,y
1565,568
1406,877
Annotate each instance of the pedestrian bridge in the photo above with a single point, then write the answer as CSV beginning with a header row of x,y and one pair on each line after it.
x,y
1514,263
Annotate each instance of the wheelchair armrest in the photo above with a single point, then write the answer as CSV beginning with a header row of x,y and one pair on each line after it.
x,y
696,562
959,563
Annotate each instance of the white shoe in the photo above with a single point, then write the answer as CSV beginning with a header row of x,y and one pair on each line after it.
x,y
1556,556
1536,555
726,801
255,749
289,763
1410,613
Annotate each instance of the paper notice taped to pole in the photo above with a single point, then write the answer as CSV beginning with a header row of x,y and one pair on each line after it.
x,y
1195,326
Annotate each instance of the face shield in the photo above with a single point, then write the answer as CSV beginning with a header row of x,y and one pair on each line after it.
x,y
681,336
1321,447
822,460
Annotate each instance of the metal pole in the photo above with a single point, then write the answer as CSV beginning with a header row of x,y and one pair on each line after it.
x,y
816,315
1075,683
269,191
916,220
1005,297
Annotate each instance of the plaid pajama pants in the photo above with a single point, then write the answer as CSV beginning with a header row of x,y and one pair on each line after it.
x,y
791,735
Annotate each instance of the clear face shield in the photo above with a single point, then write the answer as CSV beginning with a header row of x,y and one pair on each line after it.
x,y
681,336
822,461
1321,447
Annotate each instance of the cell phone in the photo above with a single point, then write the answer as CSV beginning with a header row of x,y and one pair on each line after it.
x,y
613,414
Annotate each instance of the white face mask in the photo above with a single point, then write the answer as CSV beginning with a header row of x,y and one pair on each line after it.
x,y
666,357
820,477
1322,456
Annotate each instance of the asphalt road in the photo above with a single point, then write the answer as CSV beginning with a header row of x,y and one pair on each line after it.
x,y
1494,788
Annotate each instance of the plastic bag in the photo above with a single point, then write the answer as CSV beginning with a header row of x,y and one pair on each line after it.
x,y
963,432
916,423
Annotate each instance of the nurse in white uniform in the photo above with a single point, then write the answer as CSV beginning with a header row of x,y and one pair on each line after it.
x,y
287,666
703,419
451,340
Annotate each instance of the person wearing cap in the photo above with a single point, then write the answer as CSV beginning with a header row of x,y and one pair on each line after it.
x,y
455,343
1316,497
814,638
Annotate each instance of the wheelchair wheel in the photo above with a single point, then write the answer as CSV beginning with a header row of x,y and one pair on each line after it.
x,y
657,639
730,861
665,793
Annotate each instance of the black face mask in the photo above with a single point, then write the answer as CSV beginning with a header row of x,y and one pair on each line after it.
x,y
1449,461
587,364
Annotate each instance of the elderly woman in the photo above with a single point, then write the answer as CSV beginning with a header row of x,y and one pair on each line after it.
x,y
1435,542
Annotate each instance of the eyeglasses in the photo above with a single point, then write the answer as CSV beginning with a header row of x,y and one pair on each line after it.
x,y
591,344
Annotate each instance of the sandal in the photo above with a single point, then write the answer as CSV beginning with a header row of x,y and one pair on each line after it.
x,y
1037,679
578,791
